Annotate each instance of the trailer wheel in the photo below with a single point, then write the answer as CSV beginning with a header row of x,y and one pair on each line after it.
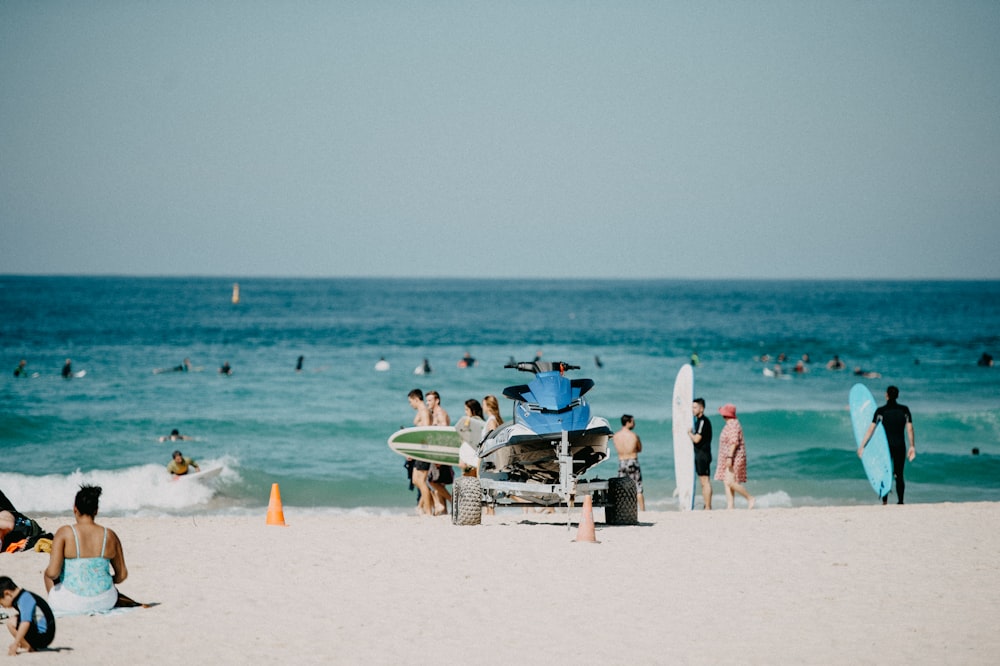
x,y
467,501
623,502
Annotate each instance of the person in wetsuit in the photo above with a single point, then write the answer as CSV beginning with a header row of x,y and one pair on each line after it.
x,y
31,630
898,424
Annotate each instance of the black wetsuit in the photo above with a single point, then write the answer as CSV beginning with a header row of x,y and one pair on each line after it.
x,y
703,449
894,418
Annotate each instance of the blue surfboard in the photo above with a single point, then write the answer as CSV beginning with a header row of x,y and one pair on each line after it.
x,y
876,460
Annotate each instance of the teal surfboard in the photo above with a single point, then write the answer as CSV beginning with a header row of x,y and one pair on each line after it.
x,y
876,460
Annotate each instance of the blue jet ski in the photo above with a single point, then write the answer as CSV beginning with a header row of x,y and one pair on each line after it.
x,y
527,449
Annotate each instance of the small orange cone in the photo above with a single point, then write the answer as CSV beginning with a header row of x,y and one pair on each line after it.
x,y
275,516
585,532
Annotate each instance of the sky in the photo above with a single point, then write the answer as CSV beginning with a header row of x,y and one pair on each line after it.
x,y
765,140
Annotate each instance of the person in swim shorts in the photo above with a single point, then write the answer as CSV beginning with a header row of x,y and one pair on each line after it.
x,y
35,626
421,468
701,438
628,445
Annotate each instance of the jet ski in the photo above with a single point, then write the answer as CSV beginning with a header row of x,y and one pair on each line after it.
x,y
527,448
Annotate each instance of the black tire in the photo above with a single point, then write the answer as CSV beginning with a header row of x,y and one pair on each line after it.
x,y
623,502
467,501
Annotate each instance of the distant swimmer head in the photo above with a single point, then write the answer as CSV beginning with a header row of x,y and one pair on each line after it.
x,y
175,433
728,411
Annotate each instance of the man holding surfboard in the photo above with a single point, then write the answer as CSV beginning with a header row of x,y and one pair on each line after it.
x,y
701,439
420,467
898,424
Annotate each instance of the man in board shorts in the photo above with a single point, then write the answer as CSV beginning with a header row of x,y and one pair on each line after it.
x,y
628,446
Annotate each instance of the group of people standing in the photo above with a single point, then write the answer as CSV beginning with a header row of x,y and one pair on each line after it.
x,y
431,481
731,468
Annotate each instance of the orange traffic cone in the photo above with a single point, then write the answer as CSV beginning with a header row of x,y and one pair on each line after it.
x,y
275,516
585,532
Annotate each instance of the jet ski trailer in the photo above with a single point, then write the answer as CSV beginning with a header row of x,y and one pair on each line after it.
x,y
539,458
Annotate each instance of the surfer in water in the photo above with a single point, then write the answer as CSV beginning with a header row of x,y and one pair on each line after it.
x,y
181,464
898,424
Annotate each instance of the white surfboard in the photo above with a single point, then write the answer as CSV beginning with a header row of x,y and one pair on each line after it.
x,y
203,475
683,420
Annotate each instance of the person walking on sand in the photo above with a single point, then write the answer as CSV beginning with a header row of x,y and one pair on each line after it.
x,y
732,469
439,416
701,439
438,478
896,420
629,446
420,468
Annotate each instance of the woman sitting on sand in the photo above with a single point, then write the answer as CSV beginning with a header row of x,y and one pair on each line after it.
x,y
86,562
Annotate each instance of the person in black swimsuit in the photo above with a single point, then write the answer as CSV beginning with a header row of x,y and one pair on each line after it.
x,y
701,439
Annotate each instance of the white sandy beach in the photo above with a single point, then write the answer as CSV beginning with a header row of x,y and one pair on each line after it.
x,y
912,584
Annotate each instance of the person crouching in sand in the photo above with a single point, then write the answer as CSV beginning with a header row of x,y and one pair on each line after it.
x,y
34,626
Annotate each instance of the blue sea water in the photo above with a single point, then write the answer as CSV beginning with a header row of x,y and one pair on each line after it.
x,y
321,433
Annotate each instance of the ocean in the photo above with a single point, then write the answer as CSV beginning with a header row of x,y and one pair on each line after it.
x,y
321,433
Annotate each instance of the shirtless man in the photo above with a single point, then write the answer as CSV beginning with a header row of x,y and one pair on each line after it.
x,y
420,419
628,446
439,417
437,480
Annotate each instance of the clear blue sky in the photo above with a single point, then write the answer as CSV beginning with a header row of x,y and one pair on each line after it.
x,y
490,139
